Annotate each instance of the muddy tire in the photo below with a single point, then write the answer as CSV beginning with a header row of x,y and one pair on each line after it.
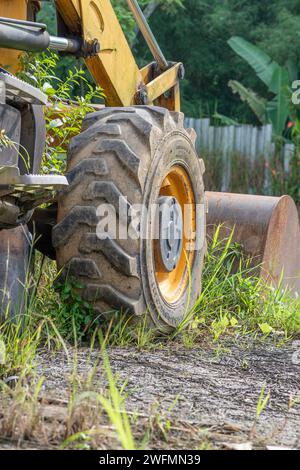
x,y
126,157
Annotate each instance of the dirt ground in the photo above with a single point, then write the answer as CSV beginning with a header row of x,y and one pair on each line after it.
x,y
213,396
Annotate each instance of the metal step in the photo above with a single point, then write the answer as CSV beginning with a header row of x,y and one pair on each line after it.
x,y
32,182
19,91
29,191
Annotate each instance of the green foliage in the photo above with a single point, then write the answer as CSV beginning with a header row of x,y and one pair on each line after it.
x,y
235,302
115,409
65,111
199,38
23,336
149,7
262,402
73,315
266,69
276,78
290,183
19,341
255,102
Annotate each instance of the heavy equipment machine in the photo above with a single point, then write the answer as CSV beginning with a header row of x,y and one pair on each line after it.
x,y
135,154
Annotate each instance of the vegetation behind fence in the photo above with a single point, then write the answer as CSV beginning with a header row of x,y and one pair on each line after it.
x,y
242,158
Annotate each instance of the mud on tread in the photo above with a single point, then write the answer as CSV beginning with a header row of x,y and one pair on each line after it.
x,y
115,144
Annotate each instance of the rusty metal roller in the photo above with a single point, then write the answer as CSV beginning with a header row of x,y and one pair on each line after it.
x,y
267,229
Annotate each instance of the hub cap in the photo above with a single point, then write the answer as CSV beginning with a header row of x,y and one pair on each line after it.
x,y
170,232
177,227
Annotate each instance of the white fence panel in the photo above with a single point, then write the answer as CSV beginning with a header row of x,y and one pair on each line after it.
x,y
250,142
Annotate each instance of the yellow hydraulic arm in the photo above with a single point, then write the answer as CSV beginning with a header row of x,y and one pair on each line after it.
x,y
113,67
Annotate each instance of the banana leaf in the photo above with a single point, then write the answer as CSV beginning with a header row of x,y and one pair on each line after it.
x,y
278,113
266,69
256,103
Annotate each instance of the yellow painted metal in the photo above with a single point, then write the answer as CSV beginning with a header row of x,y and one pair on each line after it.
x,y
114,68
163,83
9,59
157,87
176,98
170,100
173,284
147,72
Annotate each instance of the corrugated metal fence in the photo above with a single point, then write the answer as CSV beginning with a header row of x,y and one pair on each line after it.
x,y
246,141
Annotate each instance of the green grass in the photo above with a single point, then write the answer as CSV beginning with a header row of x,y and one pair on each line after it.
x,y
90,414
235,301
234,304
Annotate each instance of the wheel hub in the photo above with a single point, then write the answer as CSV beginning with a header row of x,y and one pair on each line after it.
x,y
170,232
174,232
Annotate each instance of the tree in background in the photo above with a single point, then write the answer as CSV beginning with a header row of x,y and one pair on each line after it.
x,y
196,32
149,7
277,79
199,39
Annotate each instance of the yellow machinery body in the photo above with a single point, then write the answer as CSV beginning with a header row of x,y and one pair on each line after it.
x,y
12,9
96,20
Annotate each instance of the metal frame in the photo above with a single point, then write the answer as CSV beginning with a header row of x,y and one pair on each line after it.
x,y
114,68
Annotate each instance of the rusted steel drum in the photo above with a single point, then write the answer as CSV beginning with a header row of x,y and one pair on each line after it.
x,y
267,228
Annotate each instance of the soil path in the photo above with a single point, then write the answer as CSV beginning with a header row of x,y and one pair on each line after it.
x,y
214,397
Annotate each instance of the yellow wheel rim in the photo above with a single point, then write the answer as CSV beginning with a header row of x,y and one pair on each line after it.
x,y
172,285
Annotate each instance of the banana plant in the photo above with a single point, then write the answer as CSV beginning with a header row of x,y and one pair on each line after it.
x,y
275,77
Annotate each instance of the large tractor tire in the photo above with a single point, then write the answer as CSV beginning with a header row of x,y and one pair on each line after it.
x,y
126,157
